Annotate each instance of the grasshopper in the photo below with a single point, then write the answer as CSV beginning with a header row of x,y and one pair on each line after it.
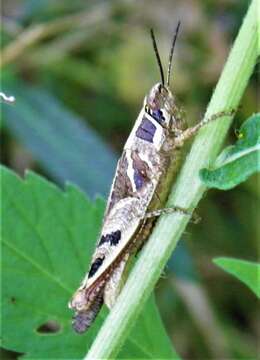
x,y
145,170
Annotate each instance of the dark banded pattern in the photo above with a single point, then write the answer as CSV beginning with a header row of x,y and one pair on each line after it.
x,y
146,130
158,116
82,320
138,179
141,169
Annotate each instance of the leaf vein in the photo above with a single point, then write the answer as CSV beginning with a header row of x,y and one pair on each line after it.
x,y
37,266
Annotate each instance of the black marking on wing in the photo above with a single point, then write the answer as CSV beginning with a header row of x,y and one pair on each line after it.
x,y
141,169
146,130
112,238
95,266
138,179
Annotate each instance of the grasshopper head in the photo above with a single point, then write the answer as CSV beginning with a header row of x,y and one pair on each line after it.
x,y
159,103
159,97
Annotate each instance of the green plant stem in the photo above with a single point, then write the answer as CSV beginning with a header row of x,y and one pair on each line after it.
x,y
186,193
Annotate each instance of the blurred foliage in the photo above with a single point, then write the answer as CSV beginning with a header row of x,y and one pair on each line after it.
x,y
59,139
237,162
246,271
94,61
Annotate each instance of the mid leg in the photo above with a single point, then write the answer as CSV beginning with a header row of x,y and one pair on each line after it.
x,y
156,213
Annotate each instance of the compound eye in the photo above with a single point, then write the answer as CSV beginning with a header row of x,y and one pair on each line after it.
x,y
162,89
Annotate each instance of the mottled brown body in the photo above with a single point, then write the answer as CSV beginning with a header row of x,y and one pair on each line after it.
x,y
148,165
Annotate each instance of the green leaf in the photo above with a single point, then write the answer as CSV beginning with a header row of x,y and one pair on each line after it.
x,y
236,163
65,146
246,271
48,237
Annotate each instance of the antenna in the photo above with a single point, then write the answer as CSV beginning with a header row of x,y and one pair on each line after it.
x,y
157,55
171,53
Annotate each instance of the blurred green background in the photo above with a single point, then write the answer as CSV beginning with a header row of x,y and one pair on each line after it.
x,y
79,71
